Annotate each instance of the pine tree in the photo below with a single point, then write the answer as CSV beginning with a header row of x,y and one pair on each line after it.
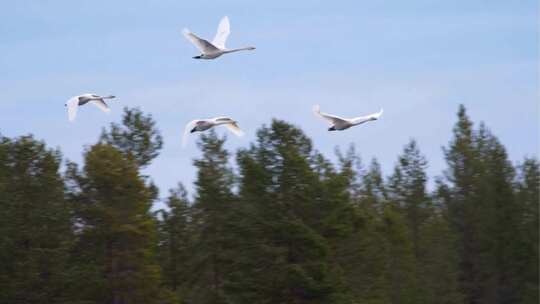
x,y
408,191
438,268
428,229
407,194
484,214
400,272
502,220
374,192
117,232
528,188
359,253
137,136
292,220
212,208
35,225
176,241
378,258
382,270
116,248
462,162
292,227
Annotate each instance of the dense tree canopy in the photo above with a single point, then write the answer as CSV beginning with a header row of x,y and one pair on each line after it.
x,y
276,222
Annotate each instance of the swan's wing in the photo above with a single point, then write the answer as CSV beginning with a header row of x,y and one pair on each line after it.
x,y
223,31
233,127
203,45
221,118
72,106
230,124
362,119
187,131
378,114
330,118
100,103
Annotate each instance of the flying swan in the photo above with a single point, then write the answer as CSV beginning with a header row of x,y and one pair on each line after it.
x,y
73,103
338,123
200,125
217,47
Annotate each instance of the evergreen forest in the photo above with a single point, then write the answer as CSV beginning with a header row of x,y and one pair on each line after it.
x,y
274,222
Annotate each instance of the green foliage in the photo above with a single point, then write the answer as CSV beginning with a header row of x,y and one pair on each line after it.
x,y
290,226
430,236
485,215
408,191
292,199
528,198
212,223
175,241
116,234
136,137
437,267
35,226
399,256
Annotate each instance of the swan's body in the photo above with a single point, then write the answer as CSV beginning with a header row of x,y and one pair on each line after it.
x,y
216,48
99,101
201,125
339,123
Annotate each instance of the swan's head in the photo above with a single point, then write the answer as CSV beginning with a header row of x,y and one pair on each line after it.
x,y
374,118
198,57
332,128
251,48
193,130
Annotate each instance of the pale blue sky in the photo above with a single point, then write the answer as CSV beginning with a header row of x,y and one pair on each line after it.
x,y
416,59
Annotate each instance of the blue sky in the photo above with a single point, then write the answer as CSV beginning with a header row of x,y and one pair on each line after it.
x,y
417,59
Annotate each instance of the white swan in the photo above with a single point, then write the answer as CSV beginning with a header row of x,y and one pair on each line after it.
x,y
73,103
339,123
217,47
200,125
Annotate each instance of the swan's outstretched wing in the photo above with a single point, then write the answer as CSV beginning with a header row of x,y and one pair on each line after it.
x,y
221,119
72,106
378,114
223,31
329,118
100,103
361,119
187,131
230,124
233,127
203,45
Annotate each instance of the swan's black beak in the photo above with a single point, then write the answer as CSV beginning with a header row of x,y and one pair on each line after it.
x,y
197,57
332,128
193,130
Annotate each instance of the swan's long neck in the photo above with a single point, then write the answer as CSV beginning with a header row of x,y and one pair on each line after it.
x,y
249,48
363,119
359,121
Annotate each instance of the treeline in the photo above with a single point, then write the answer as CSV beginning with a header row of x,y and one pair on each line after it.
x,y
285,225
